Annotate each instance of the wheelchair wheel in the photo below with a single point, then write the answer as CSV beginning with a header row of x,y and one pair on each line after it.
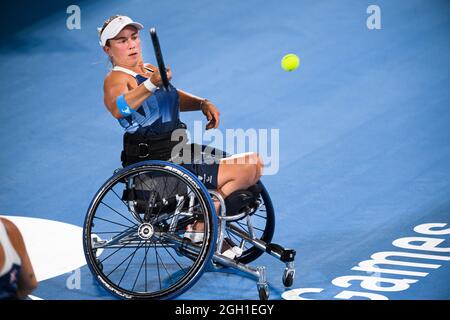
x,y
263,221
134,231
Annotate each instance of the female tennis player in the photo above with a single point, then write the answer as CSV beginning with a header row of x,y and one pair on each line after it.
x,y
148,115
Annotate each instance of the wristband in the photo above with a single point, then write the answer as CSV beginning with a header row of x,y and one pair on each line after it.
x,y
150,86
124,109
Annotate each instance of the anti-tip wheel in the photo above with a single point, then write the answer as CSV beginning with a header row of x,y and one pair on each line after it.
x,y
288,277
263,292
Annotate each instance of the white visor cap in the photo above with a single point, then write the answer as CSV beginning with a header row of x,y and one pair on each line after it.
x,y
115,26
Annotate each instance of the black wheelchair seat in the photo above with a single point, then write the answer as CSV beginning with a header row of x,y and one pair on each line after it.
x,y
241,201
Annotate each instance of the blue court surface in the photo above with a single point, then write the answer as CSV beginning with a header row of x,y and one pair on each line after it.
x,y
360,165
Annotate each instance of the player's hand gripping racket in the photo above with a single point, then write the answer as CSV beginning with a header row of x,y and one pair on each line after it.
x,y
159,58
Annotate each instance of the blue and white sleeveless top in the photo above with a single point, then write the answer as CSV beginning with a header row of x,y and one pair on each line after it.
x,y
160,113
9,272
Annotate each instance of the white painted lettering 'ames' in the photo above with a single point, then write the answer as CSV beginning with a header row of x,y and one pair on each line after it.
x,y
297,294
381,258
426,229
352,294
374,283
427,244
383,263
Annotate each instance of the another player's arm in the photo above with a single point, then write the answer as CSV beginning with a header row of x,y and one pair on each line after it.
x,y
27,279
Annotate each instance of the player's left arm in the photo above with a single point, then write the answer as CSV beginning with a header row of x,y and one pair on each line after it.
x,y
189,102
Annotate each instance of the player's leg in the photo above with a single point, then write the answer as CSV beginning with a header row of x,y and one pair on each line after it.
x,y
235,173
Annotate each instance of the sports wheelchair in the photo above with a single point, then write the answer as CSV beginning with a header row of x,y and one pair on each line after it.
x,y
134,232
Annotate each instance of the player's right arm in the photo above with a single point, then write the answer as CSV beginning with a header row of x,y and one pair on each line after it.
x,y
118,83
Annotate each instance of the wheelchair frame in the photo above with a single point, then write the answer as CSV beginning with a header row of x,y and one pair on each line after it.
x,y
217,226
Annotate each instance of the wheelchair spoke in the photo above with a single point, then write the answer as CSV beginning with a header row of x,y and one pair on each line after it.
x,y
140,268
126,243
146,251
118,197
132,254
164,266
164,192
113,222
242,226
230,236
119,237
108,232
148,200
157,265
247,245
165,185
259,229
175,187
142,180
157,215
234,237
129,262
181,268
258,215
132,222
114,210
124,203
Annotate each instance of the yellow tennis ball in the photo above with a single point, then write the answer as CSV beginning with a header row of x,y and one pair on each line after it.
x,y
290,62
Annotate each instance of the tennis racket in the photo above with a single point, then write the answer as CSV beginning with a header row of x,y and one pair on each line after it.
x,y
159,58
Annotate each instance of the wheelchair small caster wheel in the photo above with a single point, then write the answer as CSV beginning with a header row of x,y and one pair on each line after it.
x,y
263,292
288,277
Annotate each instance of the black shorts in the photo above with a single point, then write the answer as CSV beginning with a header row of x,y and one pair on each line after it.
x,y
205,165
206,173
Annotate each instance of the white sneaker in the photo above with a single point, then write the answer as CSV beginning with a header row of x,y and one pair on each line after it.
x,y
193,236
232,252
